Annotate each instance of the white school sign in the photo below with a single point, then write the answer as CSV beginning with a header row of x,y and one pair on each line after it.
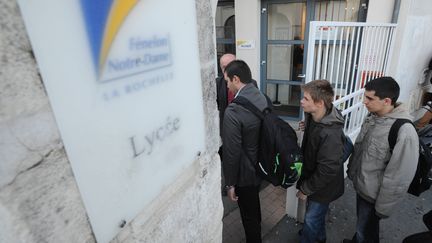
x,y
123,78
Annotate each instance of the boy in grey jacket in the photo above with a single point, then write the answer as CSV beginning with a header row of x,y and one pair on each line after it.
x,y
381,177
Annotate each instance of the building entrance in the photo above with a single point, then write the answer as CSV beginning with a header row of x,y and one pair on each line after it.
x,y
284,45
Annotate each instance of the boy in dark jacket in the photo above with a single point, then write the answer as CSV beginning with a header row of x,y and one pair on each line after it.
x,y
322,178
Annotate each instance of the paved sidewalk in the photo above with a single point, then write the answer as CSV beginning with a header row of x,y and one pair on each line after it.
x,y
278,228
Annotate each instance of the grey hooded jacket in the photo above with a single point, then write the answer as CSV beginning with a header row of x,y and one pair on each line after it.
x,y
379,176
240,137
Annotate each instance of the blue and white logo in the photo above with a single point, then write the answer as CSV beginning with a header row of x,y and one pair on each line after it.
x,y
117,53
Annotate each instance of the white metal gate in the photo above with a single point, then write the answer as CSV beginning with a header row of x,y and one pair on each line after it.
x,y
348,55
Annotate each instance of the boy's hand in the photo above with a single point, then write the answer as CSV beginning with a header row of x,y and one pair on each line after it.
x,y
301,126
231,194
300,195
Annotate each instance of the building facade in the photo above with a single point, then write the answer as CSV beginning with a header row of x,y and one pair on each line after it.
x,y
277,32
274,38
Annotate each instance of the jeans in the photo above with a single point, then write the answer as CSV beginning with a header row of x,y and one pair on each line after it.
x,y
314,222
250,212
367,230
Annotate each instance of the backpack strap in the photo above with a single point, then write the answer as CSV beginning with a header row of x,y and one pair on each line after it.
x,y
269,104
240,100
394,130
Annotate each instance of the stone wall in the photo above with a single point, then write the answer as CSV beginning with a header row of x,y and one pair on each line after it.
x,y
39,198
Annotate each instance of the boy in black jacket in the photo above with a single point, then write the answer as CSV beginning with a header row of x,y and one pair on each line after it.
x,y
322,178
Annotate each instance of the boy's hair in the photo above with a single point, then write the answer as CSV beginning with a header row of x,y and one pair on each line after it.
x,y
240,69
384,87
320,90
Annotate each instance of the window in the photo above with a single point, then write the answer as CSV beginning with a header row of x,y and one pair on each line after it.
x,y
225,30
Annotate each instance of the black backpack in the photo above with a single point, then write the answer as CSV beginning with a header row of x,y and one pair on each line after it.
x,y
278,153
422,180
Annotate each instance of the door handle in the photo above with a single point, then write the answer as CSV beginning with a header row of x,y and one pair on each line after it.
x,y
301,76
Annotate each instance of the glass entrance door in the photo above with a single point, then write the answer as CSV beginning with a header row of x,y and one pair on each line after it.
x,y
284,39
284,28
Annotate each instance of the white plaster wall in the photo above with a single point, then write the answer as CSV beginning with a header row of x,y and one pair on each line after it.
x,y
248,13
380,11
413,49
39,199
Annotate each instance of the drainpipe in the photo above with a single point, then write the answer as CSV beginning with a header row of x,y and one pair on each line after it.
x,y
396,9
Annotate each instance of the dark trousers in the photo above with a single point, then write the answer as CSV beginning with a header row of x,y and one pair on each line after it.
x,y
367,230
250,211
422,237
